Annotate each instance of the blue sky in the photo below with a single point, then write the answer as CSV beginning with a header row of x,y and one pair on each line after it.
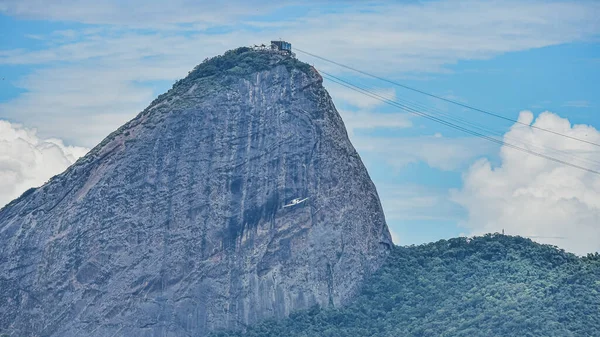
x,y
76,70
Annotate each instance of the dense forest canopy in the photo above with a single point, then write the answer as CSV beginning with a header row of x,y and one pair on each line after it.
x,y
495,285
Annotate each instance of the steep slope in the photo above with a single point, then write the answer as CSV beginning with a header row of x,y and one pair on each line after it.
x,y
494,285
174,225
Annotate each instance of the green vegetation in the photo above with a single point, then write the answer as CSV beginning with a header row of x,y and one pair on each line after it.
x,y
240,62
494,285
214,74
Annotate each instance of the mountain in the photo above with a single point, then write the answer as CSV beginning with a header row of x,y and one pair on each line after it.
x,y
494,285
175,225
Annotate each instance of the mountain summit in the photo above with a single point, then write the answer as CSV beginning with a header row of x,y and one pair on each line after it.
x,y
234,197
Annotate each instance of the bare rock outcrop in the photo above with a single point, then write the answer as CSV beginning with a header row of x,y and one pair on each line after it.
x,y
174,225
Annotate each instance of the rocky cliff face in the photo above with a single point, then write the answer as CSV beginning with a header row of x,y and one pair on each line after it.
x,y
174,225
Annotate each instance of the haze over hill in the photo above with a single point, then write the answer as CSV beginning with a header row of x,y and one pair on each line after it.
x,y
175,224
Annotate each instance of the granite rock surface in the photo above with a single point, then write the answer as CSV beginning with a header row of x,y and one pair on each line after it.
x,y
175,224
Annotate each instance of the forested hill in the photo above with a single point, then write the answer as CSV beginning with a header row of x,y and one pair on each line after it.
x,y
495,285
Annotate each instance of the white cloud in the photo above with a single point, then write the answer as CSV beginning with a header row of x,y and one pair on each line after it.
x,y
417,213
79,104
362,120
395,237
366,116
439,152
428,36
107,68
407,202
531,196
27,161
134,13
359,100
577,104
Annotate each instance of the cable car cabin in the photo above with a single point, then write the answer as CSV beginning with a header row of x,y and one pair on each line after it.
x,y
282,46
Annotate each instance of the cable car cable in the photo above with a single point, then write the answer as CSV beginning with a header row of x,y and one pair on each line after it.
x,y
452,125
445,99
481,127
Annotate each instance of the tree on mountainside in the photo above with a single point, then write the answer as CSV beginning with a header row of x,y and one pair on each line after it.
x,y
495,285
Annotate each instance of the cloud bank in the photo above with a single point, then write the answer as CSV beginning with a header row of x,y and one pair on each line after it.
x,y
111,64
530,196
27,161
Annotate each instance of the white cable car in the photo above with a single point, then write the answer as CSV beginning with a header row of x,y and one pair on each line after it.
x,y
295,202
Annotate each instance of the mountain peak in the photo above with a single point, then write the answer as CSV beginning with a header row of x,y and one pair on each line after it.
x,y
241,62
234,197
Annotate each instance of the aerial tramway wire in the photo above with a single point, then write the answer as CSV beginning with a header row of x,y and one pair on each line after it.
x,y
445,99
450,124
480,127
